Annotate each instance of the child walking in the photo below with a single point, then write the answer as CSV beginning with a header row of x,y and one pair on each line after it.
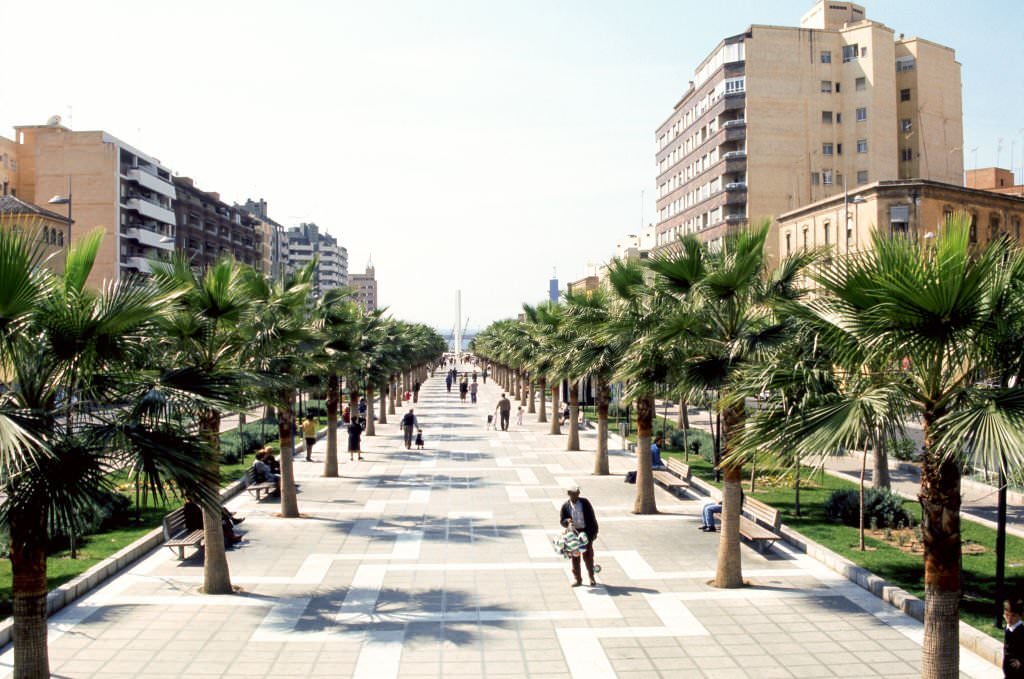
x,y
419,439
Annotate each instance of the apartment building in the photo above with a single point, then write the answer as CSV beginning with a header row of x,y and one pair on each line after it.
x,y
996,179
209,228
364,287
306,241
910,208
273,238
113,187
778,117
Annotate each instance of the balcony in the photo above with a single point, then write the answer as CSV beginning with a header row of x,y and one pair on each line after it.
x,y
140,264
735,218
731,124
736,198
735,101
151,210
736,186
734,155
152,182
149,238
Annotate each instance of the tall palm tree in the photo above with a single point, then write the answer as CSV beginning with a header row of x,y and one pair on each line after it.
x,y
725,317
591,354
282,348
81,402
926,317
203,332
338,315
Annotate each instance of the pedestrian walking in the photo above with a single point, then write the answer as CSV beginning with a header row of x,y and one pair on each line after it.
x,y
578,514
472,391
416,392
484,375
409,424
519,416
505,410
419,439
463,390
448,382
309,433
355,431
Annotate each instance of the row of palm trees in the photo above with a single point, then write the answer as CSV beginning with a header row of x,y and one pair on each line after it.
x,y
134,378
839,353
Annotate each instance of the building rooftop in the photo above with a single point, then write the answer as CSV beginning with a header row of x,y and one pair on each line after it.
x,y
9,205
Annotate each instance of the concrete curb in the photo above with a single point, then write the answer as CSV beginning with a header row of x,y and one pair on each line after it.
x,y
94,577
970,638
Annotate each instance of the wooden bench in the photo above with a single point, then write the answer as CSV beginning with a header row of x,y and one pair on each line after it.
x,y
258,488
677,476
759,523
177,536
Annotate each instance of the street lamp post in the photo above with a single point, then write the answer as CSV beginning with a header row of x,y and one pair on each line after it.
x,y
64,200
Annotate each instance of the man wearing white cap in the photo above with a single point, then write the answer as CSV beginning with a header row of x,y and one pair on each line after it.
x,y
580,513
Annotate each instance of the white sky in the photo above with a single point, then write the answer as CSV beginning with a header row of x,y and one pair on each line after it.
x,y
463,144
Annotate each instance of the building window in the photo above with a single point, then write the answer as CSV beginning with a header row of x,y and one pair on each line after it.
x,y
815,178
827,229
826,57
906,125
899,220
862,177
826,176
906,155
861,84
862,146
974,229
826,86
826,149
839,117
826,117
862,114
837,87
905,94
863,51
904,64
789,244
1015,225
805,238
839,149
734,85
850,52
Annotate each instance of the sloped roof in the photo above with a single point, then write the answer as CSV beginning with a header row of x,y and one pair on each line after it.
x,y
10,205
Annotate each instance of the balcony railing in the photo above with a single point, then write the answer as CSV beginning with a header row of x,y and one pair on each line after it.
x,y
736,186
738,122
732,155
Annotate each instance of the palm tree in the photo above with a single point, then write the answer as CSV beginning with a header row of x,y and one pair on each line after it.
x,y
80,403
282,348
338,314
926,317
589,354
725,318
203,332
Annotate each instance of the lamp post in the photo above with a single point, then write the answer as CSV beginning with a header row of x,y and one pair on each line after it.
x,y
64,200
856,201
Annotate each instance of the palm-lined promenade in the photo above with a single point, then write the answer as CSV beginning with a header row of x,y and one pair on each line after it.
x,y
439,563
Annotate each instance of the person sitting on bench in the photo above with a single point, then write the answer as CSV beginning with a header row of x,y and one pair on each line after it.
x,y
194,521
708,511
262,473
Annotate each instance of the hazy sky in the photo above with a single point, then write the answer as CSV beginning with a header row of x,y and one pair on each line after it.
x,y
461,144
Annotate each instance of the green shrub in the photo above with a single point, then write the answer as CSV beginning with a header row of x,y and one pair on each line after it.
x,y
695,437
903,449
110,510
882,508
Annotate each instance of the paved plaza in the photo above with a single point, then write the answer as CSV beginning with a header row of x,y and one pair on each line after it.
x,y
439,564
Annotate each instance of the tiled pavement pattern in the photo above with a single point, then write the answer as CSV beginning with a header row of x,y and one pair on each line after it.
x,y
439,564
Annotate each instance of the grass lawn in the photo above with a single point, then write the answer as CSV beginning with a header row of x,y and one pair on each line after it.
x,y
883,559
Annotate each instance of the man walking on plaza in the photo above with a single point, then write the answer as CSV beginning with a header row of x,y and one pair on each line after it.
x,y
579,513
409,425
505,410
472,392
309,433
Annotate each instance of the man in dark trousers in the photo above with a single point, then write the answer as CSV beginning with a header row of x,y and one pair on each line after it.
x,y
504,409
409,425
579,513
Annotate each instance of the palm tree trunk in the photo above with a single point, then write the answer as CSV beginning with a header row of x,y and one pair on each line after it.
x,y
880,467
645,503
682,416
601,456
333,399
542,389
285,423
28,566
556,428
216,576
729,573
370,429
392,388
531,405
940,528
383,418
573,439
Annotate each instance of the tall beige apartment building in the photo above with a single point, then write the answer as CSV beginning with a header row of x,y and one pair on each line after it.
x,y
778,117
113,187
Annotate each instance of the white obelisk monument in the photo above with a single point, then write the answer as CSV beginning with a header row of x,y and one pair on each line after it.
x,y
458,326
